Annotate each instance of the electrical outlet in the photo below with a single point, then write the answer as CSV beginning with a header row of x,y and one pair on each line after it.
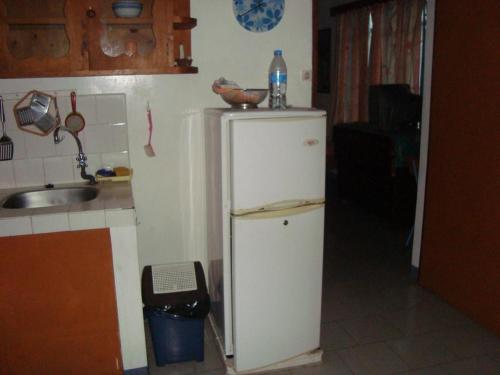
x,y
306,75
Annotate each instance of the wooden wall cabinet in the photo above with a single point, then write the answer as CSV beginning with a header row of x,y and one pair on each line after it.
x,y
84,38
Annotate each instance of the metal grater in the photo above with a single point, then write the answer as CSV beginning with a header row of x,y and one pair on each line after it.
x,y
25,116
173,278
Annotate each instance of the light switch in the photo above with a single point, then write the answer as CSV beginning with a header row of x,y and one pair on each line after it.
x,y
306,75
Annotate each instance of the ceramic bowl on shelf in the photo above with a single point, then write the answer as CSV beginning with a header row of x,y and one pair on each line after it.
x,y
127,8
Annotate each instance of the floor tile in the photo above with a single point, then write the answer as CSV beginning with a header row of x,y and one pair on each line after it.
x,y
356,307
439,370
372,359
370,329
471,341
421,318
473,366
333,336
213,359
495,356
185,368
423,351
332,364
277,372
400,297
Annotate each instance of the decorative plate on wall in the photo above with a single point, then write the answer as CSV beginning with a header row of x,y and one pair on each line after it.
x,y
258,15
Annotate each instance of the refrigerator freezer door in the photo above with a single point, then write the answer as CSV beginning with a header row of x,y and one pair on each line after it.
x,y
277,271
275,160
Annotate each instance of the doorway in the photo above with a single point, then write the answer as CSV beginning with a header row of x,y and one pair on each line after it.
x,y
406,238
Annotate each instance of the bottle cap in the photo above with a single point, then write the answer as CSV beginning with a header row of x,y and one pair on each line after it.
x,y
278,52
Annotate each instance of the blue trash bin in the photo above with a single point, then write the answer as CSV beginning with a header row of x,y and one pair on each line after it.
x,y
175,339
176,319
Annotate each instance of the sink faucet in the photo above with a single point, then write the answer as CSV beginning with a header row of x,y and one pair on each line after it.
x,y
81,158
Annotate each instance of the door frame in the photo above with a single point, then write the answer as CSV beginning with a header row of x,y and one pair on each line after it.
x,y
424,137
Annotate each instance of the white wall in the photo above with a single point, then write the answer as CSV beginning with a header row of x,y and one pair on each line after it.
x,y
168,189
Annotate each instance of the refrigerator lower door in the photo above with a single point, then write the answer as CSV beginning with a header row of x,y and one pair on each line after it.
x,y
277,272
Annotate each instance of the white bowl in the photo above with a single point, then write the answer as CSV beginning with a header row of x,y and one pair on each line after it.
x,y
127,10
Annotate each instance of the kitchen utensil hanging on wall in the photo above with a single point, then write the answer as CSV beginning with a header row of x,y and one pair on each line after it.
x,y
149,147
74,121
37,113
6,144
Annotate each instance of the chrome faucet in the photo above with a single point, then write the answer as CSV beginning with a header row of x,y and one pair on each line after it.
x,y
81,158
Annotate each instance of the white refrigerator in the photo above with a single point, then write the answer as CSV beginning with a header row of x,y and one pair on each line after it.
x,y
265,177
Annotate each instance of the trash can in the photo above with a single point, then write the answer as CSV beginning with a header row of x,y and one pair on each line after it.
x,y
176,303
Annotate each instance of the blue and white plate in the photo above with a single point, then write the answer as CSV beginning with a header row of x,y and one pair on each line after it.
x,y
258,15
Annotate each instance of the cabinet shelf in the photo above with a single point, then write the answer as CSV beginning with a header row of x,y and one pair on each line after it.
x,y
35,21
184,23
127,21
87,73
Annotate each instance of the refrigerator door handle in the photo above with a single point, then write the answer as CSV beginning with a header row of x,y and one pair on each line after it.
x,y
278,206
279,213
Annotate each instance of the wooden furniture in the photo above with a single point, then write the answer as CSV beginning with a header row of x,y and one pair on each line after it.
x,y
460,259
59,313
42,38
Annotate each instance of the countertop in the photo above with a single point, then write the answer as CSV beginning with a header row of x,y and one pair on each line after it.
x,y
113,206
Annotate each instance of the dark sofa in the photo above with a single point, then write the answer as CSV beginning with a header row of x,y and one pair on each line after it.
x,y
374,160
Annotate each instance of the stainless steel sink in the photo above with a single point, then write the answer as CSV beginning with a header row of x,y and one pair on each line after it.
x,y
50,197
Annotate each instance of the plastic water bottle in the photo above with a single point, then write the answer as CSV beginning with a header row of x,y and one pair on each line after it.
x,y
277,81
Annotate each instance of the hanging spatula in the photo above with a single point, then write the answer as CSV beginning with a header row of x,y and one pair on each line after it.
x,y
149,147
6,144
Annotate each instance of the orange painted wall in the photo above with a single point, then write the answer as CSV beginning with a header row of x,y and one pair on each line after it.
x,y
58,310
461,234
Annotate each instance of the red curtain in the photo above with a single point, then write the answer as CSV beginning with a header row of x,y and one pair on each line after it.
x,y
395,54
350,95
395,50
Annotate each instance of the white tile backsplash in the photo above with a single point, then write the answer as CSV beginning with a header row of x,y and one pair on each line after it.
x,y
87,220
29,172
10,120
37,160
120,137
98,139
120,218
19,140
38,146
115,159
86,106
68,144
111,109
7,174
58,169
50,223
15,226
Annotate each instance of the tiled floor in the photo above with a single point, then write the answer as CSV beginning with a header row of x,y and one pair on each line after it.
x,y
376,320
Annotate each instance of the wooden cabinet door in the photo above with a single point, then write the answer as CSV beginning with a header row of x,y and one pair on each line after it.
x,y
461,237
41,38
122,44
58,310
